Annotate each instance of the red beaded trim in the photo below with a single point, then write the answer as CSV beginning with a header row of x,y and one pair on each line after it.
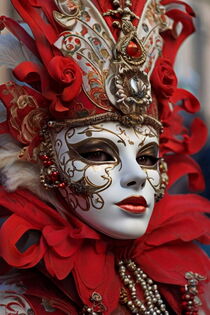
x,y
49,176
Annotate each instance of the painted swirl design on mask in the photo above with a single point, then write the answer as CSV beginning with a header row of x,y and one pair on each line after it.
x,y
76,169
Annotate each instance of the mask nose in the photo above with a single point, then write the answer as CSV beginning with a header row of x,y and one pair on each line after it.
x,y
133,176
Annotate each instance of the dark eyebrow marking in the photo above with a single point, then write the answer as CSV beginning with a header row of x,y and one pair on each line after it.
x,y
92,143
153,146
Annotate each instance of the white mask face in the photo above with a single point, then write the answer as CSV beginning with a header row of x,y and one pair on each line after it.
x,y
117,170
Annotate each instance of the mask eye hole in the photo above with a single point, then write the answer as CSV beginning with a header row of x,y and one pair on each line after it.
x,y
147,160
98,156
96,150
148,155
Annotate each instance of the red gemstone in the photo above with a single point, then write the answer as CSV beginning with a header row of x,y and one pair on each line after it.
x,y
186,297
54,176
48,163
97,308
185,305
134,49
44,157
77,41
62,185
55,173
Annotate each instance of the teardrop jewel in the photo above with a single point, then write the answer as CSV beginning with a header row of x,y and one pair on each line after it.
x,y
134,49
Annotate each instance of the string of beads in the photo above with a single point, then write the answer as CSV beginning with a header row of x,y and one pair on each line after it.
x,y
132,276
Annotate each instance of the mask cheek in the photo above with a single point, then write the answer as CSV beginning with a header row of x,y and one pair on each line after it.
x,y
78,170
153,176
96,180
73,169
98,176
76,202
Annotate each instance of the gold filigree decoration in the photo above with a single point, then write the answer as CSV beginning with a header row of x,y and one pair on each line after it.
x,y
130,83
126,120
89,42
29,123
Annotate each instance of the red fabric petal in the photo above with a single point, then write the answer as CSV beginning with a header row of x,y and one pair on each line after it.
x,y
63,69
11,231
198,137
176,229
45,33
57,267
60,241
20,34
169,263
173,40
167,246
68,76
187,7
32,73
180,165
183,141
163,79
26,205
56,106
95,265
189,102
97,273
171,206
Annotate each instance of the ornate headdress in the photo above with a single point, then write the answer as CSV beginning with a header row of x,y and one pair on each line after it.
x,y
83,62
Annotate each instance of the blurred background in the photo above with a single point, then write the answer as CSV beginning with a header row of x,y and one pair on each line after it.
x,y
193,70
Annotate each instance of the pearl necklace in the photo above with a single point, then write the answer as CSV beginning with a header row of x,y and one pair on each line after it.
x,y
153,304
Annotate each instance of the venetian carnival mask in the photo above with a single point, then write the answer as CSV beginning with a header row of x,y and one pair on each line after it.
x,y
115,170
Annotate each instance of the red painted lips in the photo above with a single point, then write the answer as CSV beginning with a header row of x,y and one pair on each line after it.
x,y
133,204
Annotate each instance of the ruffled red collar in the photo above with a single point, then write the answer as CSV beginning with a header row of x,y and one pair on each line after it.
x,y
166,252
